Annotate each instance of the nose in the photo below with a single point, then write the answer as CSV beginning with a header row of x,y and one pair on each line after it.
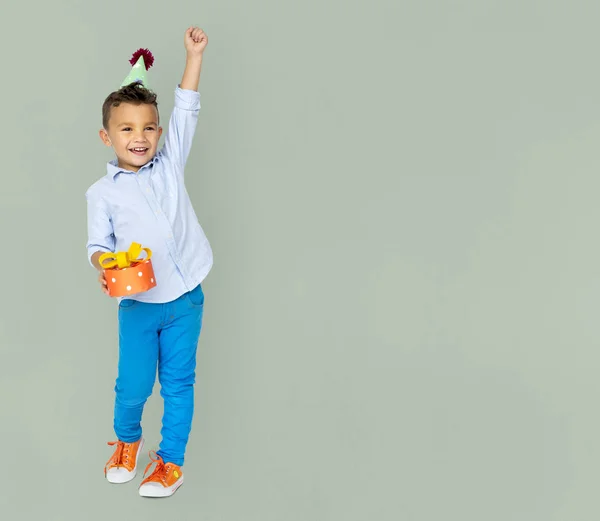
x,y
138,135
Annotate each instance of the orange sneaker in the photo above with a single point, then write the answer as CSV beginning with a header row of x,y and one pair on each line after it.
x,y
122,465
164,480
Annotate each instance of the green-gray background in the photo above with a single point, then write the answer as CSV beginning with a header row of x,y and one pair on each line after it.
x,y
402,200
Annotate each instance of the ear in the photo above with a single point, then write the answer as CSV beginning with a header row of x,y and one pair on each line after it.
x,y
104,137
159,132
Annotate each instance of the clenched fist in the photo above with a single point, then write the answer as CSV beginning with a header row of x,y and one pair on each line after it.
x,y
195,41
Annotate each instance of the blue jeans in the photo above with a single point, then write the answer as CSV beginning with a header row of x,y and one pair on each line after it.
x,y
163,335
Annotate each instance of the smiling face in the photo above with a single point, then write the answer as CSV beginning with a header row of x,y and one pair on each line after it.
x,y
133,132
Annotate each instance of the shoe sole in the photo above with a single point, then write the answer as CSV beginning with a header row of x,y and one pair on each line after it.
x,y
156,492
134,471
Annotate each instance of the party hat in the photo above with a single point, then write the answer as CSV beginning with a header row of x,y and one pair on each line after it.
x,y
141,61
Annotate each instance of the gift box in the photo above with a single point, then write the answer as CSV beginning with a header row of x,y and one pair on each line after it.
x,y
126,273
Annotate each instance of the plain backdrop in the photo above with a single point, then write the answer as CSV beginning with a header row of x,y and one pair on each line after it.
x,y
401,322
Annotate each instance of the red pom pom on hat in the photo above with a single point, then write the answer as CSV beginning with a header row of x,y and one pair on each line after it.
x,y
148,57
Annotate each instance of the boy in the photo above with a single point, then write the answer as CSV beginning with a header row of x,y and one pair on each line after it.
x,y
143,199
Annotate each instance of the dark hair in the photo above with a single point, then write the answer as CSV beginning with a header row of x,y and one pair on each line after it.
x,y
134,93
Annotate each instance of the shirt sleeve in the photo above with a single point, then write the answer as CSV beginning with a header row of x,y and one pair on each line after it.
x,y
182,126
100,230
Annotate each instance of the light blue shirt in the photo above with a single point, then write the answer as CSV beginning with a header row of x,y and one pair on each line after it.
x,y
152,207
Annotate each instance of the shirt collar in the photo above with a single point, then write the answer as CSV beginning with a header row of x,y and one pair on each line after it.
x,y
113,169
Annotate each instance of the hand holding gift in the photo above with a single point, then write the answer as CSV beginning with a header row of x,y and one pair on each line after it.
x,y
126,273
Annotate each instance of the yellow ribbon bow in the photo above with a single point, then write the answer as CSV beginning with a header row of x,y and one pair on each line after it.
x,y
124,259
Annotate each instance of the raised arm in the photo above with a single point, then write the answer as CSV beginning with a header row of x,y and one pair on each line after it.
x,y
184,118
195,42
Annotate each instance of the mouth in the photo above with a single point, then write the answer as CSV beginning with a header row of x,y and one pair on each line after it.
x,y
139,151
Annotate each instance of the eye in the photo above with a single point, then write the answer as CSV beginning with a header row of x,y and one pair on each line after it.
x,y
150,128
126,129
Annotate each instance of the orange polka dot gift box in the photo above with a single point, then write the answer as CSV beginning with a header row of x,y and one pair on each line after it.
x,y
126,273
